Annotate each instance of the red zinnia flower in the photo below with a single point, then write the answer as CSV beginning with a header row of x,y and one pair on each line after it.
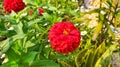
x,y
64,37
15,5
40,10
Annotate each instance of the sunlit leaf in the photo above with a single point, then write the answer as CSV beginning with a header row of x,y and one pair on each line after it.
x,y
18,28
29,44
30,2
88,44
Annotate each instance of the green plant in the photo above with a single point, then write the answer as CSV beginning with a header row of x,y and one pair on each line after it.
x,y
24,37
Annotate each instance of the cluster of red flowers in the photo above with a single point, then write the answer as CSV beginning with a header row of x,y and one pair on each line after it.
x,y
15,5
64,37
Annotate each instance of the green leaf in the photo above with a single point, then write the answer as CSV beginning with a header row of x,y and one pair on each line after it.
x,y
2,25
88,44
4,45
12,14
60,56
18,28
33,22
32,2
101,17
29,44
40,28
10,64
47,16
64,63
44,63
0,4
3,32
52,8
28,57
12,56
46,52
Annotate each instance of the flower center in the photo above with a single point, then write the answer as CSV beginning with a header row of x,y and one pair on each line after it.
x,y
65,32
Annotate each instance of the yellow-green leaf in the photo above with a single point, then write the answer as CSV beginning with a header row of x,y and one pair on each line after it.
x,y
104,60
97,31
80,58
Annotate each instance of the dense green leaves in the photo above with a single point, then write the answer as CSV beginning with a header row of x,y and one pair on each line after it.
x,y
104,60
89,57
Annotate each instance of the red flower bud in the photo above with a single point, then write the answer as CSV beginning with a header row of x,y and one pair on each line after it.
x,y
31,11
64,37
15,5
40,10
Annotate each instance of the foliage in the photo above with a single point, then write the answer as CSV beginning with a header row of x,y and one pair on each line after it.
x,y
24,37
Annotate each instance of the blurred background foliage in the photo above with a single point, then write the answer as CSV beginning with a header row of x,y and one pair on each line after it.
x,y
24,41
